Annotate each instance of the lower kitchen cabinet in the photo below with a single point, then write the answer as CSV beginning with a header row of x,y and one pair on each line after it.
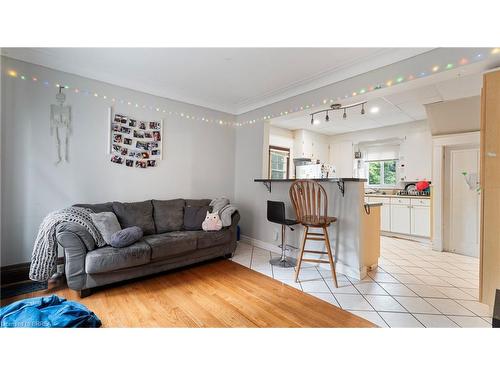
x,y
408,216
400,218
420,221
385,218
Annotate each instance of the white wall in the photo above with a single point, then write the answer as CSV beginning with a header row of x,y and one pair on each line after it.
x,y
415,150
454,116
198,157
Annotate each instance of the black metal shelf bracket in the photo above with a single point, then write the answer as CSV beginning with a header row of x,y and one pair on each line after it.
x,y
341,186
267,184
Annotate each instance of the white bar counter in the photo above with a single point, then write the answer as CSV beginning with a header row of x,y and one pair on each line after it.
x,y
355,237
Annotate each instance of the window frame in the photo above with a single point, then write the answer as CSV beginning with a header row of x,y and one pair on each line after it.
x,y
280,150
382,173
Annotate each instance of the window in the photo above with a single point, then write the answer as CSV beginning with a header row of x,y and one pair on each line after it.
x,y
382,173
279,160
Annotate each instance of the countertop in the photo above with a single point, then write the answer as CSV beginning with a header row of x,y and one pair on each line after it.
x,y
314,179
398,196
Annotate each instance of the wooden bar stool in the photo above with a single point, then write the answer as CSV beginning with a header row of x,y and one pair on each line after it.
x,y
310,202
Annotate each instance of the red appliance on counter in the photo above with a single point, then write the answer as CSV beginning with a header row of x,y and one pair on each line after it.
x,y
422,185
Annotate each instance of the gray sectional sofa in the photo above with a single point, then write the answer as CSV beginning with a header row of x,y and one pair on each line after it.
x,y
165,244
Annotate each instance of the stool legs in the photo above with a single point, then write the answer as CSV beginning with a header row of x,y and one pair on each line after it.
x,y
316,237
301,255
283,261
330,257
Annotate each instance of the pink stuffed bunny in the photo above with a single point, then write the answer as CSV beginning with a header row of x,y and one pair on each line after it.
x,y
212,222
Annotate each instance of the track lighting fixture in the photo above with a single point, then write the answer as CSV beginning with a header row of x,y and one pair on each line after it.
x,y
338,107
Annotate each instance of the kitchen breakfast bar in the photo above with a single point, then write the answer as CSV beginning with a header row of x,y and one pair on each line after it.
x,y
354,238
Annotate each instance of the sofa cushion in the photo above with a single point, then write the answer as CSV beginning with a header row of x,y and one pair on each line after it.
x,y
137,214
198,202
168,215
98,207
210,239
172,244
109,258
194,216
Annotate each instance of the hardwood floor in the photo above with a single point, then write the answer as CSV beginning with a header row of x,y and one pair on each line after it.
x,y
216,294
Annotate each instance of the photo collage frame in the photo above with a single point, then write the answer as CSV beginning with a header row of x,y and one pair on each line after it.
x,y
135,143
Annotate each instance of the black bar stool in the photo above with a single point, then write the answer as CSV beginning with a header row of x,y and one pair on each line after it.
x,y
276,214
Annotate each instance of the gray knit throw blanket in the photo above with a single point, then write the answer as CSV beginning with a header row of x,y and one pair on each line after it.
x,y
44,256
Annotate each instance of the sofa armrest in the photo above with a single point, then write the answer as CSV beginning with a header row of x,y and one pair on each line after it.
x,y
235,219
79,235
76,241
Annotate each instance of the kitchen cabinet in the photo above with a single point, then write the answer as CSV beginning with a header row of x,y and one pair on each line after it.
x,y
416,156
385,212
401,218
408,216
310,145
420,221
385,218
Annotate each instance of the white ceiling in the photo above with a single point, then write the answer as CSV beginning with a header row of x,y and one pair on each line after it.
x,y
396,105
233,80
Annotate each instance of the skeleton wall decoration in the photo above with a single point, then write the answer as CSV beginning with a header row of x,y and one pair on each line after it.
x,y
60,126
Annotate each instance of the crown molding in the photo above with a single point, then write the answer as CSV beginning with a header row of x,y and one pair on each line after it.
x,y
346,71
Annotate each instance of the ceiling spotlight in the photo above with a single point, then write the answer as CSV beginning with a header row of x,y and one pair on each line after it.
x,y
336,107
374,109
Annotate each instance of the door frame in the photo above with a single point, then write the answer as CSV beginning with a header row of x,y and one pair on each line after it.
x,y
449,197
439,143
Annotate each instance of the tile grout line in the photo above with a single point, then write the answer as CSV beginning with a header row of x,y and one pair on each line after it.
x,y
408,311
412,254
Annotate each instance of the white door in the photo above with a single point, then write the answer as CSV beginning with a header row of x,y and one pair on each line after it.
x,y
421,221
463,204
400,218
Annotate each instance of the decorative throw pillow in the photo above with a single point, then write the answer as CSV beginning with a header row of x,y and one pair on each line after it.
x,y
194,216
107,224
212,222
126,237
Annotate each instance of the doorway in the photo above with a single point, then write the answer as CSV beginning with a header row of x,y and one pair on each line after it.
x,y
462,200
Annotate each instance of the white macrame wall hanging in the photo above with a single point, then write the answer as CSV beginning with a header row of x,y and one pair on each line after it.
x,y
60,126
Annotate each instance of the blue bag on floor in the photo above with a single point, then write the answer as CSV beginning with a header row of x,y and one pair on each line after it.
x,y
47,312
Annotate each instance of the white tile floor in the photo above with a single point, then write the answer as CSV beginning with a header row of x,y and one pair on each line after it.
x,y
412,287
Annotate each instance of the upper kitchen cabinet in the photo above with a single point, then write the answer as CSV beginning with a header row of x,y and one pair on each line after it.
x,y
416,156
310,145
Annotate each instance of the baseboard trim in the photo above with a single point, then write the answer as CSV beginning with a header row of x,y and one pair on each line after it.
x,y
14,273
407,237
263,245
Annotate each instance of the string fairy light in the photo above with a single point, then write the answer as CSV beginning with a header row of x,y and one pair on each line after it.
x,y
186,116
